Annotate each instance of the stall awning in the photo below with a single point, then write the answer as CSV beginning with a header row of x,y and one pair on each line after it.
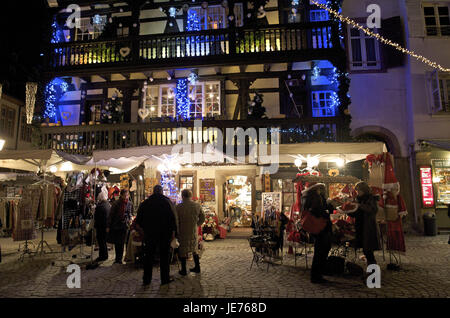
x,y
129,158
330,151
32,160
442,144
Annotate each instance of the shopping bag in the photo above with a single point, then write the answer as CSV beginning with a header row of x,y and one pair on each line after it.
x,y
174,244
312,224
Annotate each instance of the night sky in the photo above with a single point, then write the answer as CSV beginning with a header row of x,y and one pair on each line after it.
x,y
24,31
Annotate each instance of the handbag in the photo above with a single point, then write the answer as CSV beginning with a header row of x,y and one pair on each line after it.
x,y
312,224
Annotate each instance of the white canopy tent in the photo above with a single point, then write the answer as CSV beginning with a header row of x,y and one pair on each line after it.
x,y
36,160
328,151
130,158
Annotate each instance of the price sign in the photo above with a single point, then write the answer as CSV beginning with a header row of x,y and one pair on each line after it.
x,y
426,182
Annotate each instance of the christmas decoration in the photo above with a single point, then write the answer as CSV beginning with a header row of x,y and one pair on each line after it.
x,y
381,38
31,90
193,21
172,12
113,112
53,92
183,102
169,168
57,33
256,110
193,78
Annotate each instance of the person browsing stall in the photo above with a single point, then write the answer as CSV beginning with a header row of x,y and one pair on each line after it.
x,y
189,217
118,223
367,232
157,221
314,201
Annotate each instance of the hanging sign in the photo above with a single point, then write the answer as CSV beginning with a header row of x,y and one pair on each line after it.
x,y
426,182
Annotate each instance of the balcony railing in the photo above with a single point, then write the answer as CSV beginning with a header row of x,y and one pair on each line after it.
x,y
153,49
85,139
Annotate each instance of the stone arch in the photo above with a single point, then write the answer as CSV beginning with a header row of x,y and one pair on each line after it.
x,y
382,134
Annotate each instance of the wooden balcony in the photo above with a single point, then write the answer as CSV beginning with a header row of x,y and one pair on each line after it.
x,y
291,42
85,139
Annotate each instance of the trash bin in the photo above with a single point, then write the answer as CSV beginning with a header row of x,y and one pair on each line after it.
x,y
429,224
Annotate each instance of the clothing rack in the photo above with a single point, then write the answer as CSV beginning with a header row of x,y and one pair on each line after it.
x,y
43,243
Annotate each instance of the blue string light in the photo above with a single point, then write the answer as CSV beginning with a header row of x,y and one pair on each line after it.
x,y
193,21
53,92
183,102
57,33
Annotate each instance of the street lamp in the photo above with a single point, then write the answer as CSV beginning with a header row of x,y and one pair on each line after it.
x,y
2,144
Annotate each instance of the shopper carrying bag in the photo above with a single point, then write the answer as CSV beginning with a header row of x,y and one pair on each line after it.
x,y
316,220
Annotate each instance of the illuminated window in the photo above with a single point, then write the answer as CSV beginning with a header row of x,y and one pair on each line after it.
x,y
205,98
167,101
152,101
322,104
186,182
318,15
89,30
214,17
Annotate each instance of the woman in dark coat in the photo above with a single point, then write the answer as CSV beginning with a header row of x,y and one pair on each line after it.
x,y
314,201
118,223
367,232
100,222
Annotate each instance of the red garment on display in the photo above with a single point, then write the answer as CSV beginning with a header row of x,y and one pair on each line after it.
x,y
395,236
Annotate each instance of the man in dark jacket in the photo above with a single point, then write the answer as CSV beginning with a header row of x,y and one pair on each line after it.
x,y
314,201
118,223
101,215
156,218
367,233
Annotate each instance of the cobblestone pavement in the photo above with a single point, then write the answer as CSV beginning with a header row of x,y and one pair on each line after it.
x,y
226,273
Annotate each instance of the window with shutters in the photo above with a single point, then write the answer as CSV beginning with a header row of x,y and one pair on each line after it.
x,y
364,51
439,92
7,121
437,19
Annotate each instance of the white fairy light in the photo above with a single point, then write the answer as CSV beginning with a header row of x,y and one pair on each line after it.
x,y
380,38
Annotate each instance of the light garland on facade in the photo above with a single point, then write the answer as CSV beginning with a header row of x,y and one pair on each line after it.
x,y
381,39
53,92
31,90
183,102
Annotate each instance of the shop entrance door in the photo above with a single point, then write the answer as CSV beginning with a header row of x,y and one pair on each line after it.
x,y
238,201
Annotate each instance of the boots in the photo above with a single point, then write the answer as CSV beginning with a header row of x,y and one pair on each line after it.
x,y
183,271
196,269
